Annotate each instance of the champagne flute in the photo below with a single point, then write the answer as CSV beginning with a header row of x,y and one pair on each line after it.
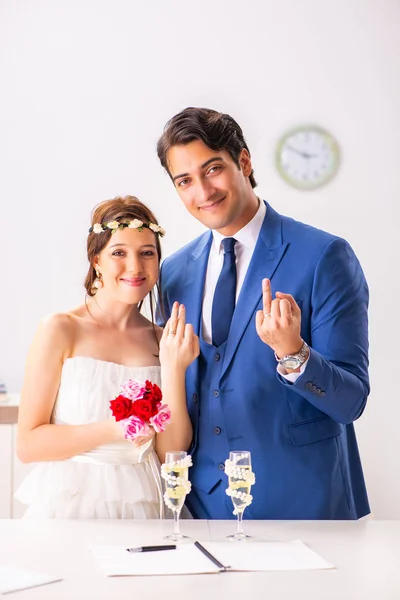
x,y
175,472
241,478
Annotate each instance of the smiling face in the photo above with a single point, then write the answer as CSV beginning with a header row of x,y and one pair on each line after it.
x,y
129,265
212,187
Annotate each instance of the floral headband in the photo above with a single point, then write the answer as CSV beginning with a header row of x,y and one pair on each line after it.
x,y
135,224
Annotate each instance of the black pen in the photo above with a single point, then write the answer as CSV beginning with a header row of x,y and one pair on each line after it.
x,y
152,548
210,556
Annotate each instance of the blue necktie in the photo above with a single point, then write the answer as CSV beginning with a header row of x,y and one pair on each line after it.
x,y
224,295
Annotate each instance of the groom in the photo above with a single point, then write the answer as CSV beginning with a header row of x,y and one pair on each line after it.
x,y
281,311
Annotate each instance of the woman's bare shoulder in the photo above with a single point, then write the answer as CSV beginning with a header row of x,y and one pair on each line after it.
x,y
62,325
62,320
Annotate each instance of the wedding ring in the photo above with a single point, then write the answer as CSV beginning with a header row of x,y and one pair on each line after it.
x,y
172,332
267,315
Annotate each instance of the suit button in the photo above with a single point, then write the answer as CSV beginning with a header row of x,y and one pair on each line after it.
x,y
217,430
217,357
221,467
309,385
313,388
318,391
195,397
322,393
216,393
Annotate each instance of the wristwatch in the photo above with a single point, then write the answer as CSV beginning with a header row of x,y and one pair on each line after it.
x,y
294,361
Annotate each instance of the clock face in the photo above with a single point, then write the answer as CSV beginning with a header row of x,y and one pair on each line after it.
x,y
307,157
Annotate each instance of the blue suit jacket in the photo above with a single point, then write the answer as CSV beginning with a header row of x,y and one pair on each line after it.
x,y
301,436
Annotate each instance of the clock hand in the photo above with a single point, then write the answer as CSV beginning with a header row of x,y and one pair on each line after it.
x,y
305,154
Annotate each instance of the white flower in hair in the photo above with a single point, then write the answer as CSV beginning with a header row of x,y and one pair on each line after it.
x,y
156,228
113,225
135,224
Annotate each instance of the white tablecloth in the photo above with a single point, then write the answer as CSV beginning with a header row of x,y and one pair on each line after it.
x,y
366,554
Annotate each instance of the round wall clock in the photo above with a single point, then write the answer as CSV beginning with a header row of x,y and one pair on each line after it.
x,y
307,157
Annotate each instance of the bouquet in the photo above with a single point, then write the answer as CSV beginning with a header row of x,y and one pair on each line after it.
x,y
139,407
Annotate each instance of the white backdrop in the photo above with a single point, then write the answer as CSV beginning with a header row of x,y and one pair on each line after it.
x,y
87,86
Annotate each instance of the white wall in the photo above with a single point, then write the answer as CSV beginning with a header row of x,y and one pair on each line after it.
x,y
86,89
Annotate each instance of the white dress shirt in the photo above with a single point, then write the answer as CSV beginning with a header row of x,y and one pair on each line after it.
x,y
246,239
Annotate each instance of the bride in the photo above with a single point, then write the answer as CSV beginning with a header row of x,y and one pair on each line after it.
x,y
76,365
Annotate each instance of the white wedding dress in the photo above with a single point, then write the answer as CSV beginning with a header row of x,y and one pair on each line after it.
x,y
113,481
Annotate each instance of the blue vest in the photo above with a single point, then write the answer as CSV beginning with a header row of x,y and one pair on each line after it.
x,y
207,475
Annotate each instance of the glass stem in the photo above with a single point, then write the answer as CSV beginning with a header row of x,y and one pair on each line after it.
x,y
176,522
240,523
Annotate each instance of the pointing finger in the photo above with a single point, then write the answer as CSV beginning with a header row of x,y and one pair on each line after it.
x,y
181,322
173,321
267,296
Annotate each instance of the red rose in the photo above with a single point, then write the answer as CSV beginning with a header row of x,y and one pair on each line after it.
x,y
121,408
143,409
157,392
153,393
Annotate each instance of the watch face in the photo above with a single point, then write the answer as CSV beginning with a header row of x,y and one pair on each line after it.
x,y
291,363
307,157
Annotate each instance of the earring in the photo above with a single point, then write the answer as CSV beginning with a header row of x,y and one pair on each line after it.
x,y
98,283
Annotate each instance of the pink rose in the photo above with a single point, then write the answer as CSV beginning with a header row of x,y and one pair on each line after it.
x,y
134,427
161,419
132,389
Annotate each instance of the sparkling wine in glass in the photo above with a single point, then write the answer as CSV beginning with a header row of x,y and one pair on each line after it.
x,y
241,478
175,472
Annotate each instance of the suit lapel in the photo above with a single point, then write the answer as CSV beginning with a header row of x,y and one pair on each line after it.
x,y
266,257
194,275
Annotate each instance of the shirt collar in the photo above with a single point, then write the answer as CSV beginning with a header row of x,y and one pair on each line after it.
x,y
247,236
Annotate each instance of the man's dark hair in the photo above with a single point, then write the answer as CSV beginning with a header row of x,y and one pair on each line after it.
x,y
216,130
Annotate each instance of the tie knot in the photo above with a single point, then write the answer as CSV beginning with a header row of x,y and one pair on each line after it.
x,y
229,245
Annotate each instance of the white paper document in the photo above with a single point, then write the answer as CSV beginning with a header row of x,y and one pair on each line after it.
x,y
13,579
187,559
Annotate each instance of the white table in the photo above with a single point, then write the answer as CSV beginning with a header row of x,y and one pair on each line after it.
x,y
366,554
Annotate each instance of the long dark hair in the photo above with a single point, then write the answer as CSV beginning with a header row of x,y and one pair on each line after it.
x,y
218,131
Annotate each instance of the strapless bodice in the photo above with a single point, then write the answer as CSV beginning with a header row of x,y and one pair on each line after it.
x,y
87,385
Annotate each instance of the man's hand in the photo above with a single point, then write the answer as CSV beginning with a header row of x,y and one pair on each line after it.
x,y
278,324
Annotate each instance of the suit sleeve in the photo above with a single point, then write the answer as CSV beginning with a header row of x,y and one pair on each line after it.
x,y
336,377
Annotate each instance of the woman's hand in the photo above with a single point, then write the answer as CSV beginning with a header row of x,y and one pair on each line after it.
x,y
114,430
116,433
179,345
143,439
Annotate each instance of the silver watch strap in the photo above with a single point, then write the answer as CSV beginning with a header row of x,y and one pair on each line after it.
x,y
301,355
